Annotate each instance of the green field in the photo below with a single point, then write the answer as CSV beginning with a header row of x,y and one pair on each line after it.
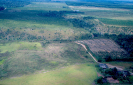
x,y
10,47
117,22
19,58
83,74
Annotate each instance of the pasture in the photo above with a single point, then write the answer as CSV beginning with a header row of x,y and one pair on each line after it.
x,y
83,74
19,58
117,22
10,47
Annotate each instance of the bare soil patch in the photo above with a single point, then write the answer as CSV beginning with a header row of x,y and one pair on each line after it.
x,y
104,47
111,80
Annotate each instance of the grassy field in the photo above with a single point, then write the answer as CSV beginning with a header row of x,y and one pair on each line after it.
x,y
117,22
103,12
47,6
10,47
83,74
20,58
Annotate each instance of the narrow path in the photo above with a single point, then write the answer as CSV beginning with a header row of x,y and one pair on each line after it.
x,y
110,66
88,52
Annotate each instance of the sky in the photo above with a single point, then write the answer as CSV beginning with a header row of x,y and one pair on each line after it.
x,y
69,0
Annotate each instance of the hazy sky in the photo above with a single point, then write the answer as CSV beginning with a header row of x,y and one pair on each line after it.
x,y
91,0
69,0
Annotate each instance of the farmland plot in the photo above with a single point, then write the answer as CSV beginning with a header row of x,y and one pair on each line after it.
x,y
104,47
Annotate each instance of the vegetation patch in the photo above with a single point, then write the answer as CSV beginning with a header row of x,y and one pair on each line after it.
x,y
2,61
71,75
125,65
29,57
10,47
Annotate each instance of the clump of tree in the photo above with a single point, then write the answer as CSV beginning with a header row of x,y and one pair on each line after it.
x,y
121,76
79,23
58,14
12,35
2,8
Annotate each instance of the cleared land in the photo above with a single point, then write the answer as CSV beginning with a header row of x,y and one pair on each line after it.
x,y
104,47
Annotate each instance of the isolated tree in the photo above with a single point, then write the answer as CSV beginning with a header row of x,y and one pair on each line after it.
x,y
1,8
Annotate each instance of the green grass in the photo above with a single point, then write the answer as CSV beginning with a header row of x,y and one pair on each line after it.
x,y
29,57
117,22
29,16
71,75
10,47
2,61
111,13
53,6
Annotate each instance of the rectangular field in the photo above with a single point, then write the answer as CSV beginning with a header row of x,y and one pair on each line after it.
x,y
104,47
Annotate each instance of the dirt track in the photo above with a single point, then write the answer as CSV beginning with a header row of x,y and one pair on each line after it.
x,y
88,52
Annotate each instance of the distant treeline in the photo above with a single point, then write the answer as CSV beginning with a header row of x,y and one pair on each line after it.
x,y
79,23
101,4
58,14
13,4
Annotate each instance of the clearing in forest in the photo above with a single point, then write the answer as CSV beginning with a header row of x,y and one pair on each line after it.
x,y
104,47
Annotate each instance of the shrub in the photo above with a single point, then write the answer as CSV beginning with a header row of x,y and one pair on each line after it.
x,y
108,58
99,59
86,56
99,80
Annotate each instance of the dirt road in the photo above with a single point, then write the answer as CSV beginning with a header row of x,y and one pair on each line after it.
x,y
88,52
